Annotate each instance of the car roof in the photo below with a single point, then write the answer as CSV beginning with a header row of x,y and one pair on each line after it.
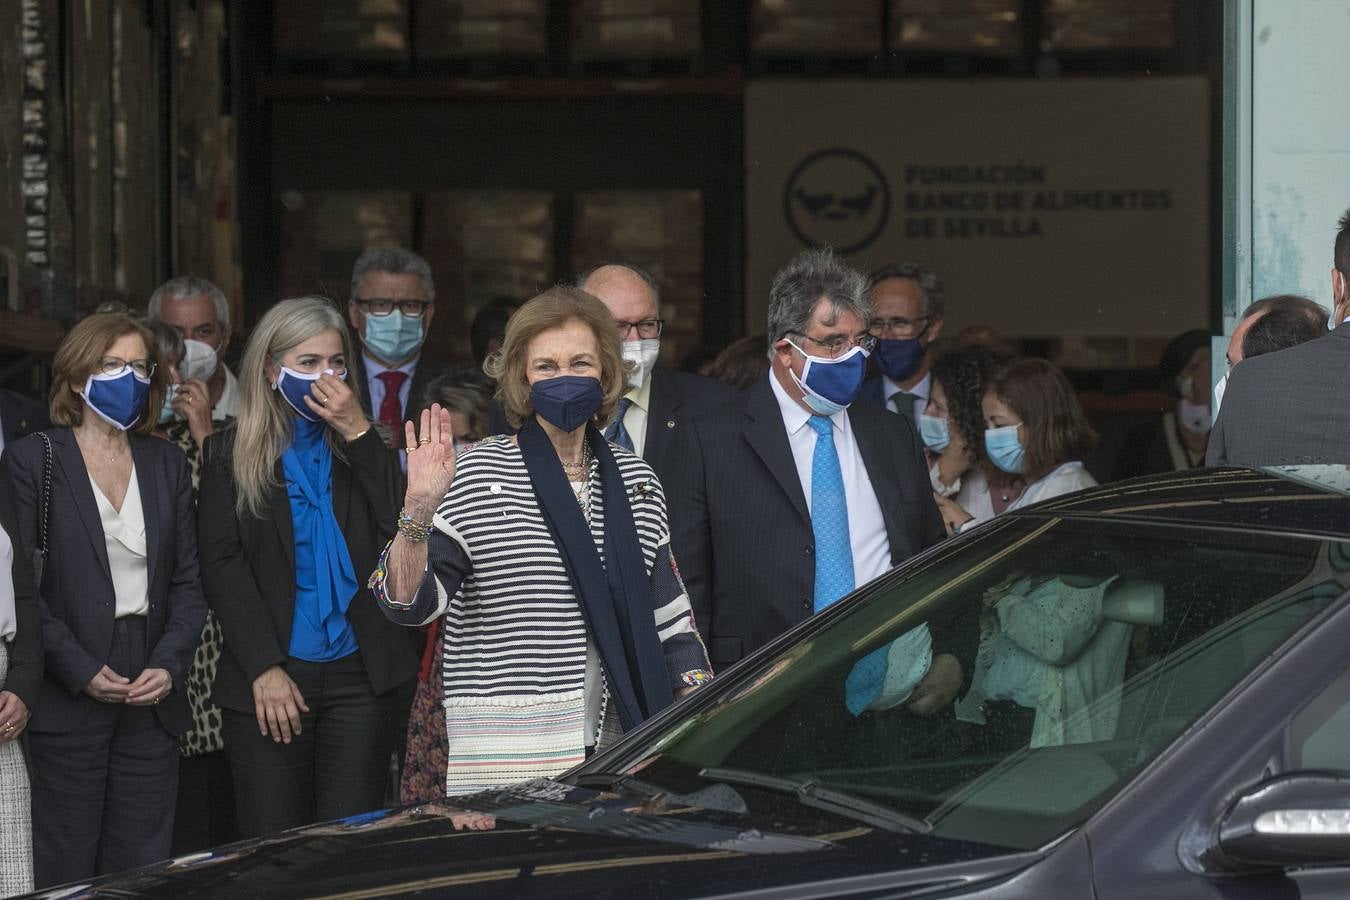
x,y
1306,499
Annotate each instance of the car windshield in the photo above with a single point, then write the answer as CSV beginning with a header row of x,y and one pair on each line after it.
x,y
1090,644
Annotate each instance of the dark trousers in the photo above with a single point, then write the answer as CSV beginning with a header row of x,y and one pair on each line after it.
x,y
335,767
205,816
103,793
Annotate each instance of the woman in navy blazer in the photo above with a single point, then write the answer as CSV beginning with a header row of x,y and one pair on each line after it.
x,y
297,499
122,606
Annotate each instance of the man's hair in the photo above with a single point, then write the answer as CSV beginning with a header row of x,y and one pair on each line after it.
x,y
394,261
1341,253
641,273
183,287
930,285
812,275
1288,320
488,323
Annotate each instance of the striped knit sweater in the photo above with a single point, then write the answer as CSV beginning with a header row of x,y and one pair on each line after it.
x,y
515,640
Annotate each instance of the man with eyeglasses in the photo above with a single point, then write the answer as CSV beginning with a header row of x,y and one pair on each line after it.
x,y
792,495
659,400
907,308
391,307
201,313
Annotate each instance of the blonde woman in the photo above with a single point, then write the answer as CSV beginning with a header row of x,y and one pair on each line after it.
x,y
297,498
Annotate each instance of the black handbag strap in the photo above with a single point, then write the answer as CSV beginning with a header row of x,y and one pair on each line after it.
x,y
44,512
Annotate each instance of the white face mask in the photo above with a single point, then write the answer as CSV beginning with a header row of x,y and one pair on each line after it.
x,y
199,361
1194,417
642,354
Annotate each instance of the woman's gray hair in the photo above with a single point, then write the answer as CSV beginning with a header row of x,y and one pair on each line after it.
x,y
171,348
395,261
799,285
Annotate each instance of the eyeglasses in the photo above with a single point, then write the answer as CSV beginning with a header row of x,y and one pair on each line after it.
x,y
112,365
840,345
383,306
900,327
646,329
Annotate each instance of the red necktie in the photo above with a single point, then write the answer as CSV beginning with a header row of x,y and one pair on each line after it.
x,y
391,410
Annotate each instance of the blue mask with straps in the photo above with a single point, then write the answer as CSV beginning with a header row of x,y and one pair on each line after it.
x,y
296,386
935,433
899,358
1004,448
567,401
118,399
830,385
395,337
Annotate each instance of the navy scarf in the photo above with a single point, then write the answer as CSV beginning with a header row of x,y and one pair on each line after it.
x,y
615,594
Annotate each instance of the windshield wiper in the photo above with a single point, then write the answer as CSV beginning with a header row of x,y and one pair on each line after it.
x,y
718,797
811,793
616,781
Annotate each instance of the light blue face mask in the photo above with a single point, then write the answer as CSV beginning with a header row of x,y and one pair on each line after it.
x,y
1004,448
395,337
935,433
166,412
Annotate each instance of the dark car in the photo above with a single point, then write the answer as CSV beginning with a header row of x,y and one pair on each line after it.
x,y
1156,704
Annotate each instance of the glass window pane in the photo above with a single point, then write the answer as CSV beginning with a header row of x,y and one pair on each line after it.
x,y
1099,642
483,245
449,29
1110,24
323,232
957,26
661,232
346,29
616,29
815,27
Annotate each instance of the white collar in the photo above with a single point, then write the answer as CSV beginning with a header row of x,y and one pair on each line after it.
x,y
373,368
921,390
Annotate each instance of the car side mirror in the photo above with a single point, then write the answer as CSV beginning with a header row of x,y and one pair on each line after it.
x,y
1298,819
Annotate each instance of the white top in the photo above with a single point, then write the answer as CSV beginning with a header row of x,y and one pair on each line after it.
x,y
635,419
124,533
228,405
9,621
1066,479
920,391
970,491
866,527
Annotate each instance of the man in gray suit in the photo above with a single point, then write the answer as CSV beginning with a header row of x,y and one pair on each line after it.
x,y
1288,407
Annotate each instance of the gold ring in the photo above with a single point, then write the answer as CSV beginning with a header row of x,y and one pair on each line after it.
x,y
323,400
411,448
424,440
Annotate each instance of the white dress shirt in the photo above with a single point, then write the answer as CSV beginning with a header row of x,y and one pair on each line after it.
x,y
9,620
227,407
124,534
635,419
920,391
866,527
375,387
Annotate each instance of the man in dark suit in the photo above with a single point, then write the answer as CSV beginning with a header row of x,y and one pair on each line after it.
x,y
907,309
788,497
1287,408
660,401
393,301
20,416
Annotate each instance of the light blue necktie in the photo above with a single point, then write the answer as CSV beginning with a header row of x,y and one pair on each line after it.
x,y
616,432
829,518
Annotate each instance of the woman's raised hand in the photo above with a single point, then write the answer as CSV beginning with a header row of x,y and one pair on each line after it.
x,y
334,402
431,461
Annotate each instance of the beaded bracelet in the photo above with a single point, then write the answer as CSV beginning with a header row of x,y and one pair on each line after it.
x,y
413,531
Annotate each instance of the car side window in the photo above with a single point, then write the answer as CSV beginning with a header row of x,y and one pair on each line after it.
x,y
1320,733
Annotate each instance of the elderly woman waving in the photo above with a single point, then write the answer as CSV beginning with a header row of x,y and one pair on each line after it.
x,y
548,553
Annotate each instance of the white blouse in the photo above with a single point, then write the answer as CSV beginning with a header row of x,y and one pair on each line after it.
x,y
124,533
9,622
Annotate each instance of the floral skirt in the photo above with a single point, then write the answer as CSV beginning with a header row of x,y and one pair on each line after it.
x,y
424,763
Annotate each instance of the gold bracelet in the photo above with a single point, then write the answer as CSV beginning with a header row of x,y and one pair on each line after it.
x,y
413,531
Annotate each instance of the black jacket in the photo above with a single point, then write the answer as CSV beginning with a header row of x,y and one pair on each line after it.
x,y
20,416
248,566
77,597
25,650
740,528
676,398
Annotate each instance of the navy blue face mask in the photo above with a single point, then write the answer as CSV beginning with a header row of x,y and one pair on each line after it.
x,y
118,399
567,401
899,358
